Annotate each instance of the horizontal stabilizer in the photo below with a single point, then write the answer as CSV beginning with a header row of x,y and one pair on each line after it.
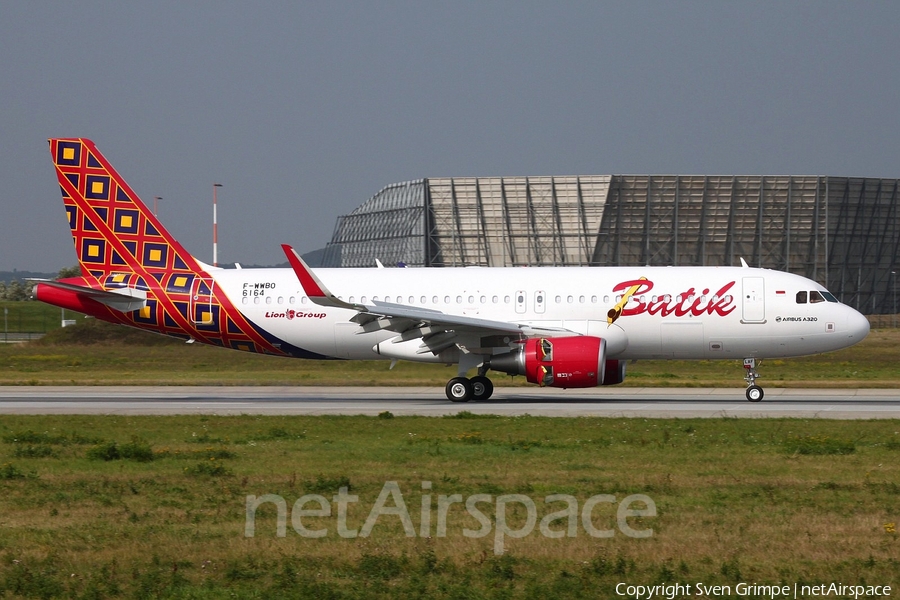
x,y
121,299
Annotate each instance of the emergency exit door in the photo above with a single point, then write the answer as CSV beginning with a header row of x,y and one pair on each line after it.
x,y
754,300
202,301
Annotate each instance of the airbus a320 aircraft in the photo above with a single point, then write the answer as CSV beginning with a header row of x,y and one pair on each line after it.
x,y
566,327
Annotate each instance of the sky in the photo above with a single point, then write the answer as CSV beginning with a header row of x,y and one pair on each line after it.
x,y
303,111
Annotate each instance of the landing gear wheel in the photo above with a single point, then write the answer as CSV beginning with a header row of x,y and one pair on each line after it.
x,y
459,389
755,393
482,387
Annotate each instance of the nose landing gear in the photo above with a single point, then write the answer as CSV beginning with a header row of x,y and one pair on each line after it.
x,y
754,392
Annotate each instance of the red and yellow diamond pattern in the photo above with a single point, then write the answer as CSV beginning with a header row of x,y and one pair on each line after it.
x,y
120,243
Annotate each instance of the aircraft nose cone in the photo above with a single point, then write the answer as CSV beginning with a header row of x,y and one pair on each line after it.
x,y
857,325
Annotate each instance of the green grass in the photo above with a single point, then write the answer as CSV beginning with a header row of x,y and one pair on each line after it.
x,y
30,317
763,501
96,353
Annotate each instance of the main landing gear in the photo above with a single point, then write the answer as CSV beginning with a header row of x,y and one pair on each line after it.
x,y
462,389
754,392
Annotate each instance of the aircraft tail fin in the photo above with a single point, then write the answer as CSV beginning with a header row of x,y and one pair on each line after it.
x,y
112,229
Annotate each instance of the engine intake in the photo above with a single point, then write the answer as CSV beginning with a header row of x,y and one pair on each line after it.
x,y
615,372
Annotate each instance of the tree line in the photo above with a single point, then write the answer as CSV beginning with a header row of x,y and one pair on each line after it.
x,y
17,290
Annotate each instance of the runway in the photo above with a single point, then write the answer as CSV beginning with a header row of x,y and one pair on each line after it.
x,y
430,401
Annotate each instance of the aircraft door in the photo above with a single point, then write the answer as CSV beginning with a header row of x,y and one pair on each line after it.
x,y
520,302
202,300
753,299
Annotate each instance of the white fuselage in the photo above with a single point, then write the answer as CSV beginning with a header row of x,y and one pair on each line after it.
x,y
667,312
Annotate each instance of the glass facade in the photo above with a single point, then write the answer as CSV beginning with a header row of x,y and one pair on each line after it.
x,y
389,227
515,221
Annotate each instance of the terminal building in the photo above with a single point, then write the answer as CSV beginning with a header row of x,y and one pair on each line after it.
x,y
841,232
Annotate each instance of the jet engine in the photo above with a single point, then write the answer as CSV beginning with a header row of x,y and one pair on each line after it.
x,y
615,372
564,362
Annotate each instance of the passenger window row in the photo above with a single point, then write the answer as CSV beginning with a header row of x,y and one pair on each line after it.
x,y
422,300
436,300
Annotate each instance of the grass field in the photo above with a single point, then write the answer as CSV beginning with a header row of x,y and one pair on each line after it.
x,y
147,507
30,317
96,353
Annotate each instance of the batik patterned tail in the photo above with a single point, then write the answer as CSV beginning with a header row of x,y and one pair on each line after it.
x,y
121,244
112,229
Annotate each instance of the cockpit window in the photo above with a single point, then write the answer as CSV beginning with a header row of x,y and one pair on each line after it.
x,y
814,297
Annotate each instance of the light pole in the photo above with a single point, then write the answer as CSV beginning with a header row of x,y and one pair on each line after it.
x,y
894,286
215,228
156,199
5,324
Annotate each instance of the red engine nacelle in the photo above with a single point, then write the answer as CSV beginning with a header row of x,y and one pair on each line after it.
x,y
564,362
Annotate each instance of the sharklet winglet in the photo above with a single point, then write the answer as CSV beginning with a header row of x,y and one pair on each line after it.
x,y
312,285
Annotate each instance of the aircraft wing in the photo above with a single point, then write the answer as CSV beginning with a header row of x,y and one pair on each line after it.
x,y
122,300
409,321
